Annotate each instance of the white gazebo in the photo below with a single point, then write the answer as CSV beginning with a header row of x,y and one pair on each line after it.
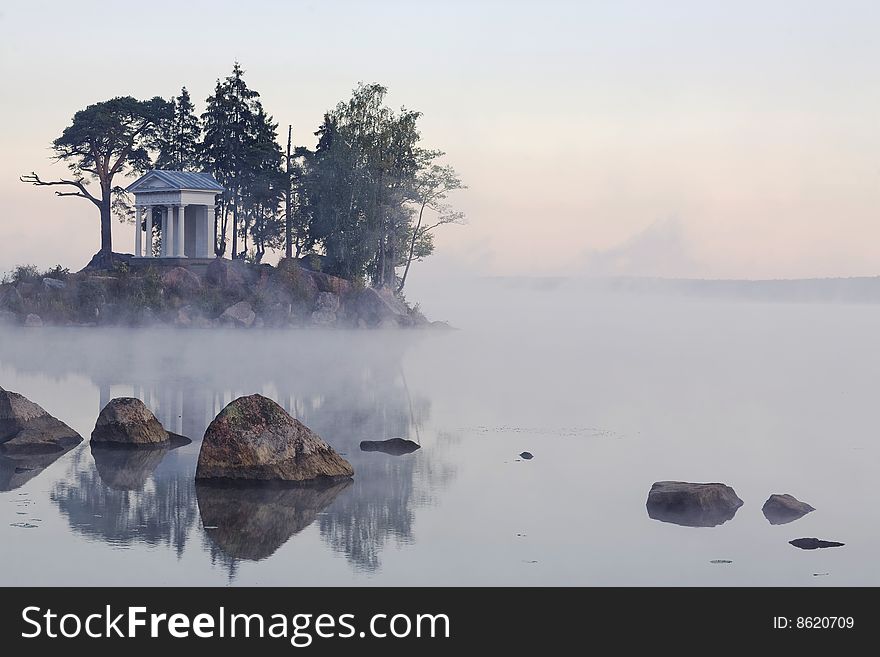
x,y
184,203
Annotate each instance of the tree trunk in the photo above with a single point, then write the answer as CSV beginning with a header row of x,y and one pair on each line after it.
x,y
234,228
244,232
380,265
288,216
217,243
412,248
106,224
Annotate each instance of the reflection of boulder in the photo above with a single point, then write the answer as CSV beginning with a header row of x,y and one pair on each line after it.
x,y
252,522
692,505
16,469
26,427
782,509
128,468
393,446
162,513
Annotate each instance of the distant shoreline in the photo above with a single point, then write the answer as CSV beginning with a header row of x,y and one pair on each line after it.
x,y
857,289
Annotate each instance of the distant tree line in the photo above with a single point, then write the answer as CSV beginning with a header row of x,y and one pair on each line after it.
x,y
368,197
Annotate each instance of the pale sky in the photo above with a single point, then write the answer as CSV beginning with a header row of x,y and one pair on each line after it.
x,y
676,138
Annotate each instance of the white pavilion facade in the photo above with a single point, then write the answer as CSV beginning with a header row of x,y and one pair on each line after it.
x,y
184,203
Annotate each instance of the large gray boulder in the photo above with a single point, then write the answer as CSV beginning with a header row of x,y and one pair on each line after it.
x,y
380,308
26,427
254,439
231,275
54,284
240,314
692,505
325,309
127,422
782,509
181,281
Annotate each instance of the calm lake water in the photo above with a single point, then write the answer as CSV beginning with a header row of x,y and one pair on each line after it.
x,y
609,392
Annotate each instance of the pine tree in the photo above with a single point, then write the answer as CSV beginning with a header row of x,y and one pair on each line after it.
x,y
179,137
229,139
263,185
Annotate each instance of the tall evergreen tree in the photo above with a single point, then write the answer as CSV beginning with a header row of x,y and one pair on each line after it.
x,y
263,186
179,138
229,135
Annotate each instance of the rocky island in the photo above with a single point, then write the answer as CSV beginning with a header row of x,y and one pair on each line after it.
x,y
219,293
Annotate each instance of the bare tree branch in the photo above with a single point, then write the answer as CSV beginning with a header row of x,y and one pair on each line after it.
x,y
83,192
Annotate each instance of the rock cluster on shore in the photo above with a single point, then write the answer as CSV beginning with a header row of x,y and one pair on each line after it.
x,y
223,293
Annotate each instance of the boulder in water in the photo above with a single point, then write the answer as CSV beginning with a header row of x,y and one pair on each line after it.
x,y
26,427
814,543
254,439
691,504
393,446
127,422
782,509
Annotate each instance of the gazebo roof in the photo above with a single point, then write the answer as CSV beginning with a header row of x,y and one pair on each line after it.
x,y
161,180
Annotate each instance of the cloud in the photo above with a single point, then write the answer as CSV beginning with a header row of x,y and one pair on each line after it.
x,y
662,249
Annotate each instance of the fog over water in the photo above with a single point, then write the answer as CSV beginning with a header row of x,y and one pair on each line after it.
x,y
610,389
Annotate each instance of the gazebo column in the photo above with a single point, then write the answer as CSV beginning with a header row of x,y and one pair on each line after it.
x,y
137,231
149,231
180,236
207,233
167,237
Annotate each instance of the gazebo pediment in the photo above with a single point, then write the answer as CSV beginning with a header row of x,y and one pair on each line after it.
x,y
175,181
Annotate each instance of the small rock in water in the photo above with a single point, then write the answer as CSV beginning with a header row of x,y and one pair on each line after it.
x,y
527,456
393,446
782,509
819,574
24,525
814,543
721,561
